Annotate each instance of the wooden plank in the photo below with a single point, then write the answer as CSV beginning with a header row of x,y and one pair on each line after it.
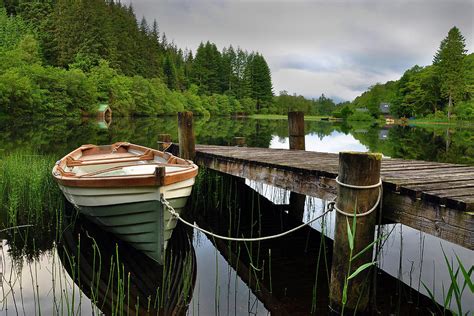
x,y
431,218
417,189
466,201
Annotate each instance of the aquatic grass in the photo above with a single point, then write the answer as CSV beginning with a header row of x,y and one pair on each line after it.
x,y
456,288
27,189
351,233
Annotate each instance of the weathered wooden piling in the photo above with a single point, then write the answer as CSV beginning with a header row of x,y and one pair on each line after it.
x,y
358,169
239,142
187,143
163,141
296,130
297,142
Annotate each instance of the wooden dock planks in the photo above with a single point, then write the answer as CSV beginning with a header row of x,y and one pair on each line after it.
x,y
437,198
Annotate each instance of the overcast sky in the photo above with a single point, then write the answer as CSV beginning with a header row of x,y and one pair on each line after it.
x,y
335,47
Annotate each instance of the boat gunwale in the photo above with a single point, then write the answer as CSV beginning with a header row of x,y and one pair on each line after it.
x,y
70,179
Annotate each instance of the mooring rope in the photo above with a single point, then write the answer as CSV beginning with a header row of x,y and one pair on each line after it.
x,y
378,185
175,214
331,206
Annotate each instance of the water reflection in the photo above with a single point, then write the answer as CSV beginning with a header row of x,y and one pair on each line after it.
x,y
432,143
117,278
285,276
288,275
411,256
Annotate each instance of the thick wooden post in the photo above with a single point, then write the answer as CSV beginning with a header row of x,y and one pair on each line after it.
x,y
187,146
296,130
360,169
239,142
296,137
163,141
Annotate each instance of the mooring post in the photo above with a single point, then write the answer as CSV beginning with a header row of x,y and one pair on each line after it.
x,y
187,144
356,169
297,142
296,130
239,142
163,141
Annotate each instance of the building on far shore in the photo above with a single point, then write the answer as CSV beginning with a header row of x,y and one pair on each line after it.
x,y
384,108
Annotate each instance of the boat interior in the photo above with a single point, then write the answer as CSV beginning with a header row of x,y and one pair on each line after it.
x,y
119,159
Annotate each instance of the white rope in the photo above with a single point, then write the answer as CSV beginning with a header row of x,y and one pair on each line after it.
x,y
175,214
359,187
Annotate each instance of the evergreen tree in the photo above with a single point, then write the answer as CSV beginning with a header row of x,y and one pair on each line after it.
x,y
258,79
206,72
449,61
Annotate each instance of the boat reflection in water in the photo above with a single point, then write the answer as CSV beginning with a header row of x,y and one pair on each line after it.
x,y
118,278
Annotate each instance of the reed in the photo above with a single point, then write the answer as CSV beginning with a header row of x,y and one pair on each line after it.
x,y
27,190
461,278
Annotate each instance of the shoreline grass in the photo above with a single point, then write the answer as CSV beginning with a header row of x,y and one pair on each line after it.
x,y
285,117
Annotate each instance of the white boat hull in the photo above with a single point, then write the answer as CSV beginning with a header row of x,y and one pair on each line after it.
x,y
134,214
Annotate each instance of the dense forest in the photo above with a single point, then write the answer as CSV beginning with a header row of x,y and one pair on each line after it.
x,y
64,57
443,90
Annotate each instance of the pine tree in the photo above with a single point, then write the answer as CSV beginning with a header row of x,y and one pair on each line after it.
x,y
449,61
258,79
206,72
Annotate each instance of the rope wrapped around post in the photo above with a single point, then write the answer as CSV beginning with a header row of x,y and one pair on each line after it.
x,y
332,204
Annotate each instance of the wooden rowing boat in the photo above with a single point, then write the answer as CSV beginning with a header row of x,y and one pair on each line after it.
x,y
114,185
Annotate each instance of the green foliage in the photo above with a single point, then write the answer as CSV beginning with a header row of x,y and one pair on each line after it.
x,y
285,103
12,31
449,63
465,110
418,93
377,94
424,91
360,116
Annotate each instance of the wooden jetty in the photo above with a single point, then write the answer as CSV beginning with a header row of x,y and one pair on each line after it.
x,y
436,198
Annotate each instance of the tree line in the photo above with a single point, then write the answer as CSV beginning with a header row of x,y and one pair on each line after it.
x,y
114,58
442,90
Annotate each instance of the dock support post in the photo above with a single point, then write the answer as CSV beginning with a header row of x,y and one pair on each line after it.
x,y
239,142
187,143
297,142
359,169
296,130
163,141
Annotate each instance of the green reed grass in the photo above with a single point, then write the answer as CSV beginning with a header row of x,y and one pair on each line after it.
x,y
456,288
27,189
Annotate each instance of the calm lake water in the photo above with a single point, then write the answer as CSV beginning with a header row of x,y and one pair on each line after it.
x,y
54,268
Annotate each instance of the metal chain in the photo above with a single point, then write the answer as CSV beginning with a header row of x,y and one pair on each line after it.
x,y
175,214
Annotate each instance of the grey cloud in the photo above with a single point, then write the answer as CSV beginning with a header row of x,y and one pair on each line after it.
x,y
341,46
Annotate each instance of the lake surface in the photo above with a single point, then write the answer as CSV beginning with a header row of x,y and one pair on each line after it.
x,y
47,268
